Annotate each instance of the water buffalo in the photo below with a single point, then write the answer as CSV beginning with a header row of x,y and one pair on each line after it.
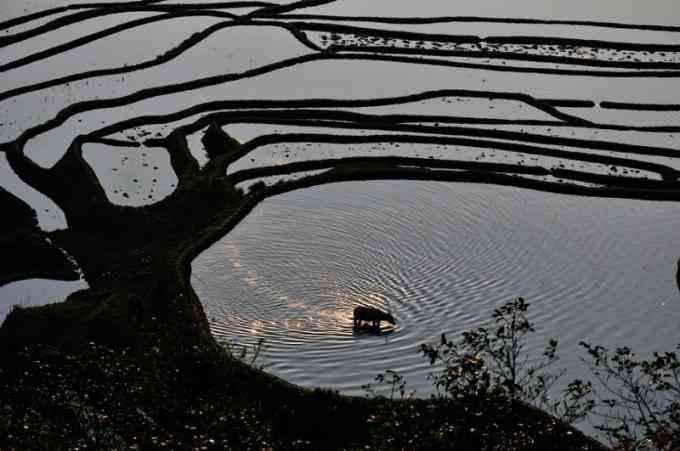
x,y
371,315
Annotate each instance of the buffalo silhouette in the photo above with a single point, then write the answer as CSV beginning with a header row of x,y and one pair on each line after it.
x,y
371,315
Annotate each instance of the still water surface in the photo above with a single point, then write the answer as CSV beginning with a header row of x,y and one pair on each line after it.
x,y
441,257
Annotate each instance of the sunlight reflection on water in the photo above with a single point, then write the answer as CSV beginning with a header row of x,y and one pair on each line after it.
x,y
440,257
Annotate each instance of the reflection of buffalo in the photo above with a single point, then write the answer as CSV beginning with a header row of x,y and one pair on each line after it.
x,y
371,315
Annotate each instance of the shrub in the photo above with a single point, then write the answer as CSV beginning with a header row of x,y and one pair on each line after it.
x,y
640,405
483,383
489,367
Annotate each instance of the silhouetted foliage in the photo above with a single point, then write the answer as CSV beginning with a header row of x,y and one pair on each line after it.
x,y
490,366
639,403
488,379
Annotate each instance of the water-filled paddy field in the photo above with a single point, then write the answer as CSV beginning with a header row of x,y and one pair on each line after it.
x,y
441,257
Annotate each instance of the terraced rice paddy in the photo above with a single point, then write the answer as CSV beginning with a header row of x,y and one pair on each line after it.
x,y
484,154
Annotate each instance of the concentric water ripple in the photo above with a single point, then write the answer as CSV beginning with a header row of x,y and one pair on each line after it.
x,y
440,257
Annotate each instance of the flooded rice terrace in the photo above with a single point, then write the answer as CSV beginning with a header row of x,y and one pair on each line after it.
x,y
478,152
441,257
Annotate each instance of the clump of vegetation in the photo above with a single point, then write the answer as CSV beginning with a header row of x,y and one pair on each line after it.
x,y
490,366
639,407
248,355
490,379
258,186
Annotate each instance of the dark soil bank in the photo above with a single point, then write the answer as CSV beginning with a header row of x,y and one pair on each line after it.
x,y
25,249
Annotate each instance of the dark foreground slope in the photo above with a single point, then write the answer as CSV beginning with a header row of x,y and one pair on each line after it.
x,y
202,398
